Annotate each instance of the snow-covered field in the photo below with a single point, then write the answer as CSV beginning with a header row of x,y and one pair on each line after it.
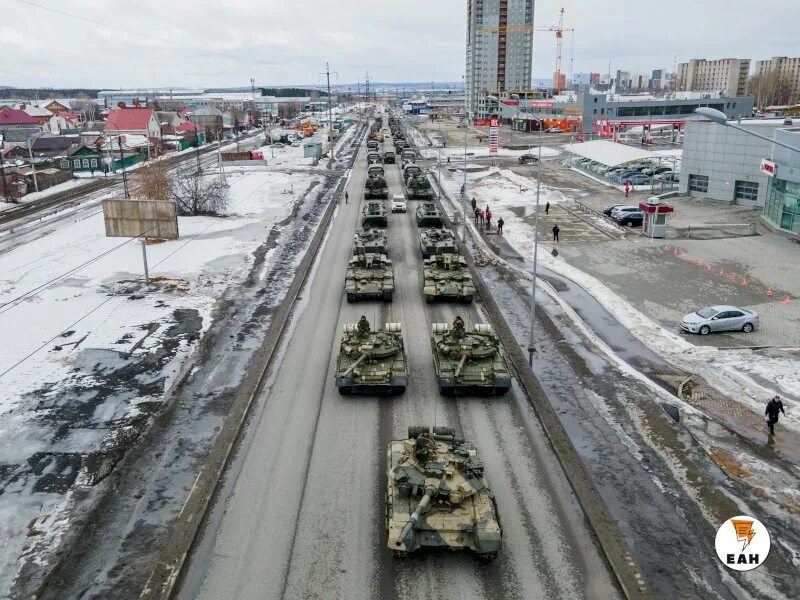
x,y
89,350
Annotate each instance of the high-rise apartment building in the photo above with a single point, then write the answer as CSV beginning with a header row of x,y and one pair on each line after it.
x,y
787,68
726,74
499,48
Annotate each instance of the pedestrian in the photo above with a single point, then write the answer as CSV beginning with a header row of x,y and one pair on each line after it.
x,y
774,407
547,208
476,211
627,187
488,218
481,217
346,198
474,204
556,229
448,160
500,224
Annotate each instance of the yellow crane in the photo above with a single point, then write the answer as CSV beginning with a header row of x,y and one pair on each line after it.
x,y
559,31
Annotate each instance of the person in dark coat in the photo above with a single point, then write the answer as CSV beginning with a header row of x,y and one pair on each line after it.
x,y
774,407
346,198
488,218
477,214
500,224
556,229
547,208
474,205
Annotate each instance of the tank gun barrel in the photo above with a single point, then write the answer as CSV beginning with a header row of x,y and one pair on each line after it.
x,y
460,365
354,365
430,492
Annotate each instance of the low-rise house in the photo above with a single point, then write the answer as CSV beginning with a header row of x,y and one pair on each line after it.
x,y
85,157
208,120
14,118
133,121
55,106
169,121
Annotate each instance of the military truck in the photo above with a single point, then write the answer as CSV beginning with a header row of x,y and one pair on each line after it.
x,y
428,215
446,277
371,362
469,362
419,188
370,241
437,496
369,277
373,214
436,241
376,187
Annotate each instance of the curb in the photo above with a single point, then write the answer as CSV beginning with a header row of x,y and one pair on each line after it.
x,y
166,574
623,565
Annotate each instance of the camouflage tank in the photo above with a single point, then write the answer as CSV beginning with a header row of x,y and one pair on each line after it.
x,y
376,187
437,496
419,188
371,362
370,241
428,215
369,277
436,241
373,215
469,362
446,277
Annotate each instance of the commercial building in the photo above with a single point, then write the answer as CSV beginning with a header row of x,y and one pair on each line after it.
x,y
787,69
658,80
727,75
499,48
724,164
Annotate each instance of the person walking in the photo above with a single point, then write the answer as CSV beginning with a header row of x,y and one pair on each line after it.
x,y
500,224
448,160
488,218
474,204
346,198
627,188
476,211
556,229
547,208
481,217
774,407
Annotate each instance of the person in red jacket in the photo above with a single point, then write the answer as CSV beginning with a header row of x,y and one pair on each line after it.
x,y
488,217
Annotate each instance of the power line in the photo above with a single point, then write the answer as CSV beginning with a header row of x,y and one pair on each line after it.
x,y
144,35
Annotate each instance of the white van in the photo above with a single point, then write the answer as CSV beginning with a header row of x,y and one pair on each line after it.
x,y
398,203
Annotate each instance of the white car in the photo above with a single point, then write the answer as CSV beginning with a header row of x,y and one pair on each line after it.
x,y
720,318
399,203
438,144
620,211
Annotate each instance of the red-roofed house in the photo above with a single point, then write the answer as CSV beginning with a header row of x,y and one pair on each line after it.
x,y
134,121
13,118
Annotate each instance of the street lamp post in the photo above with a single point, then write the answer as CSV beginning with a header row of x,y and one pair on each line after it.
x,y
122,160
33,166
719,117
531,347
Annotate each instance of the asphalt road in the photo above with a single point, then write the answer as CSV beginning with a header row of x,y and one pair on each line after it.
x,y
302,514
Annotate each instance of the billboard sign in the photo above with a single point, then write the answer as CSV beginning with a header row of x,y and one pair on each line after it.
x,y
768,167
543,104
481,122
140,218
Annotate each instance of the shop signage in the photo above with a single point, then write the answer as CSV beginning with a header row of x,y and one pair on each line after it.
x,y
768,167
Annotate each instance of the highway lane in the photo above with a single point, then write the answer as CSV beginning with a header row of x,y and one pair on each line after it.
x,y
304,512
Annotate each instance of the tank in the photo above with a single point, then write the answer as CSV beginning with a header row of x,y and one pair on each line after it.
x,y
376,187
369,277
469,362
419,188
446,277
370,241
373,215
371,362
437,496
436,241
428,215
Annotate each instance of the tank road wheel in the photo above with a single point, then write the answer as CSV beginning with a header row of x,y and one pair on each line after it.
x,y
351,297
467,300
387,296
486,558
400,554
345,390
428,298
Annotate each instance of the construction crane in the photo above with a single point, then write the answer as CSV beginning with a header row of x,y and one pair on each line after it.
x,y
559,31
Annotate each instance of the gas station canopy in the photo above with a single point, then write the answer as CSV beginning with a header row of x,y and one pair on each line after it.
x,y
607,153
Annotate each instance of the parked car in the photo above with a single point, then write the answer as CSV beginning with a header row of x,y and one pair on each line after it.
x,y
623,175
639,179
656,170
437,144
634,218
720,318
553,130
607,210
528,158
621,210
668,176
398,203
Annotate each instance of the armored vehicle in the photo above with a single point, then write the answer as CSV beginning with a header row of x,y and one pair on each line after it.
x,y
373,214
437,496
371,362
373,158
469,362
388,157
446,277
410,171
408,156
375,170
428,215
418,187
369,277
400,144
375,187
436,241
370,241
373,144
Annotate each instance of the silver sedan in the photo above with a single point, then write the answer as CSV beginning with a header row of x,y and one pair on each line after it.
x,y
720,318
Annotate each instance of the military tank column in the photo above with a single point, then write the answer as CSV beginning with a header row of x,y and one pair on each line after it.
x,y
437,496
371,362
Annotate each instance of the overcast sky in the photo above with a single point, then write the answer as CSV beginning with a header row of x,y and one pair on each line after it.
x,y
281,42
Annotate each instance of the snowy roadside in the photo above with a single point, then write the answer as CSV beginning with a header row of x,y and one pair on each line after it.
x,y
90,351
731,372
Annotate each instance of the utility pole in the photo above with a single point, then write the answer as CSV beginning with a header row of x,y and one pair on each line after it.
x,y
330,111
367,84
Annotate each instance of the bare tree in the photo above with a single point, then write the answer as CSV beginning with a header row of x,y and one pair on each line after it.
x,y
154,182
87,106
770,89
198,194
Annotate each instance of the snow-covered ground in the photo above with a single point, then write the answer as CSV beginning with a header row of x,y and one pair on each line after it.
x,y
88,349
